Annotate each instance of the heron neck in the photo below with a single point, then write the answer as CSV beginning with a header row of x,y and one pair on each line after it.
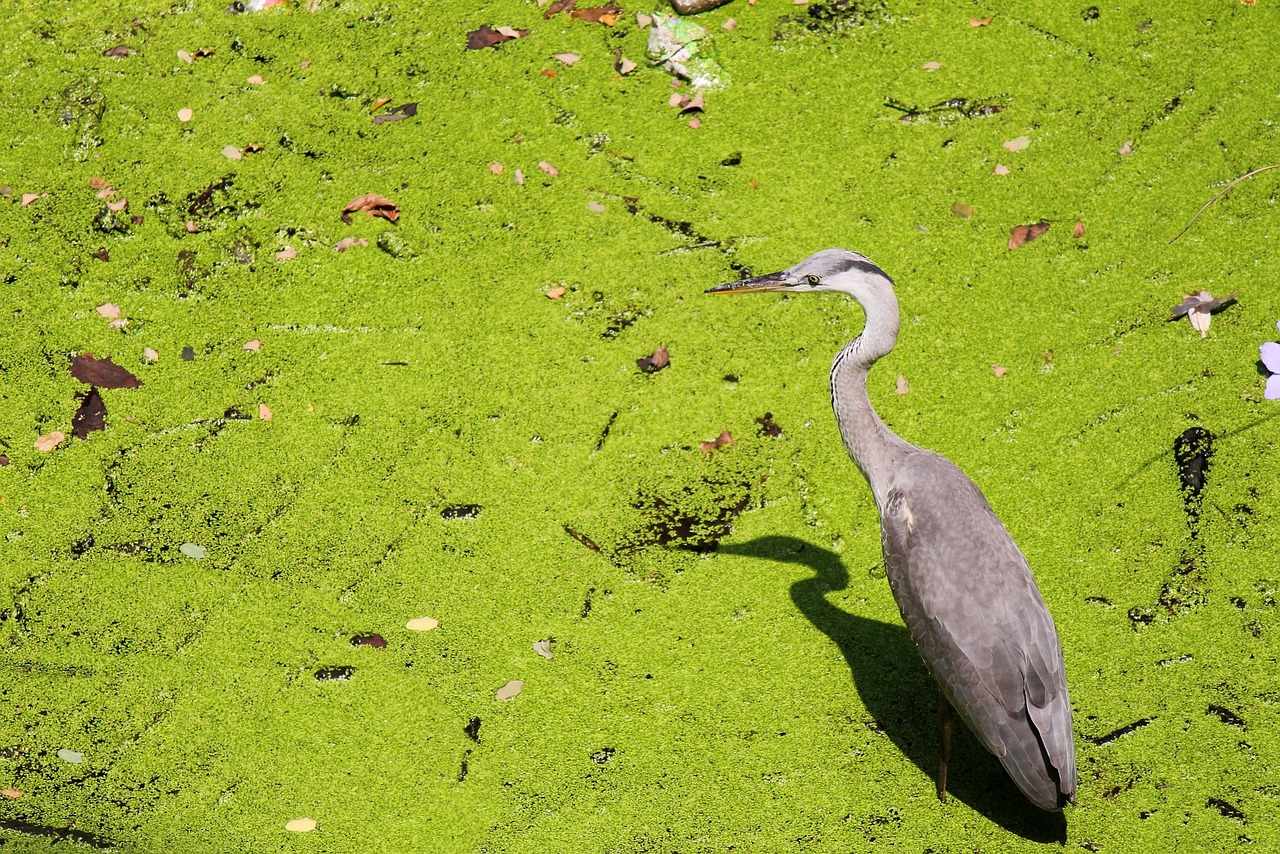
x,y
872,445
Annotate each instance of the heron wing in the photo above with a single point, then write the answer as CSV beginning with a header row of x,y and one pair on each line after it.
x,y
971,605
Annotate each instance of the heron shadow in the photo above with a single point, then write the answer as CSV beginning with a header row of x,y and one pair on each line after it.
x,y
899,693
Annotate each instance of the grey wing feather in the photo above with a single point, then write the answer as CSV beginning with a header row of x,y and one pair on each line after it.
x,y
969,601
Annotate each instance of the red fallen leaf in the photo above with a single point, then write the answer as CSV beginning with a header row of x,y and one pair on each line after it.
x,y
373,205
1079,229
101,255
487,36
103,373
721,441
397,114
557,7
1020,235
119,50
92,414
606,14
652,364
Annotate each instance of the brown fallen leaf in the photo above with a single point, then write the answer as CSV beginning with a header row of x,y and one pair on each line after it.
x,y
186,57
49,441
252,346
1021,235
379,103
347,242
487,36
150,355
397,114
980,22
495,168
255,80
109,310
548,168
511,689
28,198
962,210
119,50
652,364
252,148
287,254
11,793
694,123
555,293
557,7
118,205
373,205
567,58
518,177
768,427
1078,231
999,370
102,254
97,182
606,14
621,64
102,373
903,386
724,440
91,414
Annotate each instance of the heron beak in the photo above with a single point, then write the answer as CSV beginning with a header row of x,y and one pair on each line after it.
x,y
771,282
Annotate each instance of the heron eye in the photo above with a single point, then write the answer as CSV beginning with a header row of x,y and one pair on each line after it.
x,y
811,279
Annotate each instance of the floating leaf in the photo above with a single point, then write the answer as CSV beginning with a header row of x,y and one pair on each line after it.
x,y
557,7
119,50
1001,169
193,551
999,370
396,114
768,427
287,254
185,114
961,210
1078,231
724,440
252,346
902,386
232,153
606,14
372,639
103,373
150,355
511,689
71,756
487,36
931,66
595,207
300,825
109,310
621,64
422,624
548,168
652,364
255,80
49,441
567,58
373,205
90,416
347,242
980,22
543,648
264,412
1021,235
555,293
1126,149
1018,144
11,793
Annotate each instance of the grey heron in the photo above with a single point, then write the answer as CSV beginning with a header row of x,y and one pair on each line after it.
x,y
964,589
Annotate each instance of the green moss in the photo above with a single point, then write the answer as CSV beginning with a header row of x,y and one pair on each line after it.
x,y
760,695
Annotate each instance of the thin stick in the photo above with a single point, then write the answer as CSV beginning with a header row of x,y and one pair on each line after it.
x,y
1220,195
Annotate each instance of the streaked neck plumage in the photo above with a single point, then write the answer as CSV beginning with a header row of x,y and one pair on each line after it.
x,y
871,444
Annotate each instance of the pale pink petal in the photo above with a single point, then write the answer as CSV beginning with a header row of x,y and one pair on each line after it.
x,y
1273,387
1270,355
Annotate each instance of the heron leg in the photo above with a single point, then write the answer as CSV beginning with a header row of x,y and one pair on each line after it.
x,y
946,725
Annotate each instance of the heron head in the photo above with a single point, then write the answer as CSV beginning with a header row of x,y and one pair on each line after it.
x,y
829,270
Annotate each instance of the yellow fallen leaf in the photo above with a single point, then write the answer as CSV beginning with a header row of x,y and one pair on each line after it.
x,y
422,624
301,825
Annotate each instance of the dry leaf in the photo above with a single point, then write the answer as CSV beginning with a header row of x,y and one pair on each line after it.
x,y
518,177
998,370
119,50
252,148
487,36
903,387
28,198
961,210
117,206
1078,231
543,648
495,168
652,364
185,114
555,293
287,254
724,440
694,123
1018,144
231,153
396,114
90,415
606,14
595,207
380,103
97,182
1001,169
11,793
931,66
422,624
980,22
567,58
347,242
103,373
621,64
252,346
150,355
373,205
109,310
511,689
186,57
1020,235
730,24
643,20
255,80
557,7
301,825
192,228
548,168
264,412
1126,149
49,441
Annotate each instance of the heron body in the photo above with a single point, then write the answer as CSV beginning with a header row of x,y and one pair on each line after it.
x,y
964,589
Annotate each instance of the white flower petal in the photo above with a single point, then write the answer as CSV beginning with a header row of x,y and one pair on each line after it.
x,y
1270,355
1273,387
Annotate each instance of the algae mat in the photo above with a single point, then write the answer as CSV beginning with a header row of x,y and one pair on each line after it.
x,y
204,606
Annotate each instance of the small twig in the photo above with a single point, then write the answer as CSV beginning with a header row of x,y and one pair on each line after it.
x,y
1220,195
